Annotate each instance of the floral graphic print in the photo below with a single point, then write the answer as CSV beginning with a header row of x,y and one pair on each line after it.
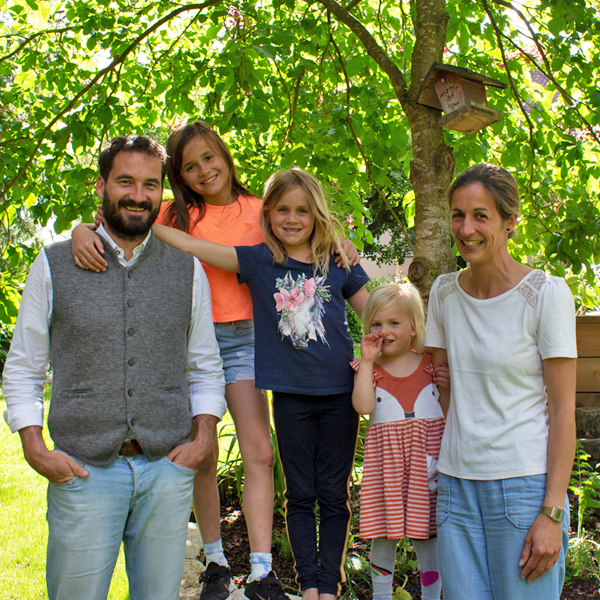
x,y
301,306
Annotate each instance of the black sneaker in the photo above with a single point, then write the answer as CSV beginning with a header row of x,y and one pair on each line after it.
x,y
267,588
217,582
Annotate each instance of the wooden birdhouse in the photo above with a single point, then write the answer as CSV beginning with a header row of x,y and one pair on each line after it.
x,y
460,93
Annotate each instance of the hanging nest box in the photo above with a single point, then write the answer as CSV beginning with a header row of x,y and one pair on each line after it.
x,y
460,93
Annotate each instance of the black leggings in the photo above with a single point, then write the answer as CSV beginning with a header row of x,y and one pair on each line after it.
x,y
316,436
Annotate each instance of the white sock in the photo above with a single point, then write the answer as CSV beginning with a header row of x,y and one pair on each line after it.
x,y
429,568
214,553
260,562
383,561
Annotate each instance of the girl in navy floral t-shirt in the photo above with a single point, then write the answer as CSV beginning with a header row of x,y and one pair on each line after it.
x,y
302,354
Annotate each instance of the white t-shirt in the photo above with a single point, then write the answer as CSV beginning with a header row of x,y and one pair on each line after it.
x,y
497,425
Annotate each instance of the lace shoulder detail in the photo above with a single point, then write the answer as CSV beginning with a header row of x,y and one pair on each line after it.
x,y
447,285
531,286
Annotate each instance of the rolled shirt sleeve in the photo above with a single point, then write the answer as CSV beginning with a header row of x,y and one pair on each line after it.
x,y
205,367
28,360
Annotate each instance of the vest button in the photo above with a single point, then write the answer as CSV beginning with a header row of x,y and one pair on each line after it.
x,y
132,422
129,274
130,392
131,362
131,331
130,303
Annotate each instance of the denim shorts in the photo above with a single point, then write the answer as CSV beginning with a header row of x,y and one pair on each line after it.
x,y
236,345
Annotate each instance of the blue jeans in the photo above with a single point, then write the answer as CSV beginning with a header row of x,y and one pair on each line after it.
x,y
144,504
316,437
482,527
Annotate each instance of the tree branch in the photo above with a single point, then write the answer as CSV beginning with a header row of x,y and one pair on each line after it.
x,y
31,38
293,104
569,100
117,61
352,5
167,52
523,111
371,46
361,149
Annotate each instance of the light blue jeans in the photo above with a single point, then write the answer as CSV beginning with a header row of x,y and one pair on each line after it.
x,y
144,504
481,529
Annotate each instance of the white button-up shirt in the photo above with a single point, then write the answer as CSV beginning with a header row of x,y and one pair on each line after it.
x,y
29,357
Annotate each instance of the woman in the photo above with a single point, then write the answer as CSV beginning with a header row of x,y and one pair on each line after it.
x,y
508,334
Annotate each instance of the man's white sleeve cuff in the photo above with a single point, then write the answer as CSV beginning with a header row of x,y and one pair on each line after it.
x,y
208,404
18,417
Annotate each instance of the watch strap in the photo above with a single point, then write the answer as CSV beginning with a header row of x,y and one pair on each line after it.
x,y
554,512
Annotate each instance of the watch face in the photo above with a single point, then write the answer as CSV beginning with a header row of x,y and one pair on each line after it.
x,y
554,512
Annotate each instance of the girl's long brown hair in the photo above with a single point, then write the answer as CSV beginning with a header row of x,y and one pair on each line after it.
x,y
178,213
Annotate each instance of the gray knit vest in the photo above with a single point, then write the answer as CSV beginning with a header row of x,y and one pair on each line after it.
x,y
118,345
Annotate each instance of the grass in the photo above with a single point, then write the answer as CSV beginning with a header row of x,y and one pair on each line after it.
x,y
23,528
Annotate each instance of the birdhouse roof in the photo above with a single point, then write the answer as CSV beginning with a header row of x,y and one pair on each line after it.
x,y
427,95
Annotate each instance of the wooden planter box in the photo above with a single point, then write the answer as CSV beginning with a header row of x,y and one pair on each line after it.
x,y
588,362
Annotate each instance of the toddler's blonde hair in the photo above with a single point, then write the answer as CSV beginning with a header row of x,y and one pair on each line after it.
x,y
404,295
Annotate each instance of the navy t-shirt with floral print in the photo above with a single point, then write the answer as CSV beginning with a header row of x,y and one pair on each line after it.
x,y
302,344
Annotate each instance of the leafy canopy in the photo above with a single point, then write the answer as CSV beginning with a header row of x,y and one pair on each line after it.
x,y
294,83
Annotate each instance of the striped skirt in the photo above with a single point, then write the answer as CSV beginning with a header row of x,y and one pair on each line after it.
x,y
396,501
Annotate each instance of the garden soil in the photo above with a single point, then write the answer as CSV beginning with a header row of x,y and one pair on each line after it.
x,y
237,550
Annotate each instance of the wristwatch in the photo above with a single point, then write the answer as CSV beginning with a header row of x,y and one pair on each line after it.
x,y
554,512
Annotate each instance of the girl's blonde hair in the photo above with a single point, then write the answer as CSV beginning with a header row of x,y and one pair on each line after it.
x,y
404,295
327,234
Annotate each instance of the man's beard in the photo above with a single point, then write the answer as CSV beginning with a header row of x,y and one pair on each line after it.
x,y
133,228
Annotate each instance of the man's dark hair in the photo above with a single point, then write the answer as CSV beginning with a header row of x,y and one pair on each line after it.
x,y
131,143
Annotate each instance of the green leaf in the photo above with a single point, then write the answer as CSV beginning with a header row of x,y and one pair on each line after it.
x,y
104,115
267,51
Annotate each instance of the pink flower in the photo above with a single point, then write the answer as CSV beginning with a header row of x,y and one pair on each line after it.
x,y
310,287
297,296
282,300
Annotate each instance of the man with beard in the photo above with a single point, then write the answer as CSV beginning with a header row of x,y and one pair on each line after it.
x,y
135,362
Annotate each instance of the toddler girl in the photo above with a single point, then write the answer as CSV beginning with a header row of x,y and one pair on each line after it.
x,y
394,383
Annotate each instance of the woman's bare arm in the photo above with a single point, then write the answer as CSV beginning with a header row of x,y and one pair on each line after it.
x,y
544,539
440,358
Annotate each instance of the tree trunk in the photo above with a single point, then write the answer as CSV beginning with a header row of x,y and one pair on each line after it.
x,y
432,164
